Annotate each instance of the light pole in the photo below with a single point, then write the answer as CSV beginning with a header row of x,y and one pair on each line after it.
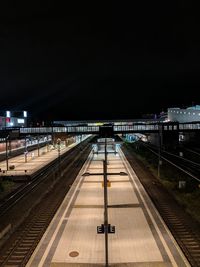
x,y
47,143
105,228
159,149
105,203
58,146
25,151
38,146
7,152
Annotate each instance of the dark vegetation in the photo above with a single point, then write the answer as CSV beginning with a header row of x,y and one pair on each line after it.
x,y
185,189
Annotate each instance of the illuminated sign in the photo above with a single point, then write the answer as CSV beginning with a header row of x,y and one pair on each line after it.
x,y
20,120
8,114
25,114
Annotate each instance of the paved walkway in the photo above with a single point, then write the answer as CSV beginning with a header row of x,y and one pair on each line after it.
x,y
141,239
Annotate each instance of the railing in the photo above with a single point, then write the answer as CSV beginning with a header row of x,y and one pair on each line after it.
x,y
116,128
189,126
135,127
68,129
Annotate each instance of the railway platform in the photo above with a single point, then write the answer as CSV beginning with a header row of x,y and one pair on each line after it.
x,y
141,238
28,164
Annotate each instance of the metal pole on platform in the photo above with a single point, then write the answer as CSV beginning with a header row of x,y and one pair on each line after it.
x,y
105,204
59,160
159,150
7,152
105,228
38,146
25,151
58,147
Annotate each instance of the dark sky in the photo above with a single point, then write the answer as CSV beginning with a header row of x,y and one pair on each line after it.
x,y
106,60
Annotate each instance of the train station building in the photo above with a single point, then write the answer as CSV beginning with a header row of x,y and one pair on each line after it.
x,y
13,119
190,114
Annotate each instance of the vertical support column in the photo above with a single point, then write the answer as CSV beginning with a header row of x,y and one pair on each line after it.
x,y
7,152
160,133
105,204
25,150
52,136
9,147
58,147
38,146
47,143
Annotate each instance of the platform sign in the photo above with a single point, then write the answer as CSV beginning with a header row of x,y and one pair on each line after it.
x,y
106,131
111,229
108,183
100,229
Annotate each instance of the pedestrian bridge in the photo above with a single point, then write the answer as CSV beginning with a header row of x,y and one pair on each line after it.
x,y
117,129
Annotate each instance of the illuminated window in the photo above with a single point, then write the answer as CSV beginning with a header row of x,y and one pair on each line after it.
x,y
193,113
20,120
8,114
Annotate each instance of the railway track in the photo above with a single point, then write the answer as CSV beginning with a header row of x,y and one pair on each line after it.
x,y
188,166
21,244
185,230
13,198
191,153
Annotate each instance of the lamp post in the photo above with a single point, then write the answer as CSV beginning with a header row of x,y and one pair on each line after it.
x,y
105,228
7,152
105,203
58,146
159,149
47,143
25,151
38,146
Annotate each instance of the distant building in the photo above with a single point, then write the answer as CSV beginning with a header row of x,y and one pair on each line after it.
x,y
163,116
189,114
13,119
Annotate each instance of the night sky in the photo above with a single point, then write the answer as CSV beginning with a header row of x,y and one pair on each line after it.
x,y
106,60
